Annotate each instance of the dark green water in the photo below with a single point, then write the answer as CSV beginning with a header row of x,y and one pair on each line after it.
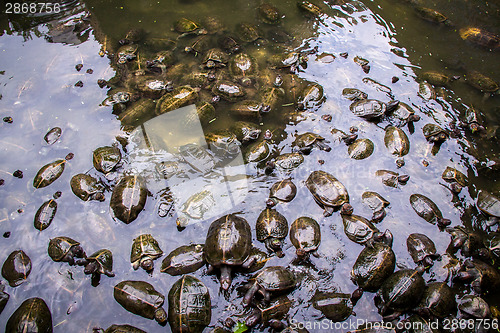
x,y
37,85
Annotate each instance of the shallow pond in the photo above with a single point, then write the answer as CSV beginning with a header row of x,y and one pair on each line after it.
x,y
39,90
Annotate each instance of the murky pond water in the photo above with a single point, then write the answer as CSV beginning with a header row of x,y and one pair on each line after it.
x,y
39,91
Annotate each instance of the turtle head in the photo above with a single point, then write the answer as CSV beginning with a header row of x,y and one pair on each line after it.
x,y
271,202
413,118
225,277
301,253
78,252
147,264
91,267
161,316
346,209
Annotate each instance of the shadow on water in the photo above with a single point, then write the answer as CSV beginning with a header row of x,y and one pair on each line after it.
x,y
41,88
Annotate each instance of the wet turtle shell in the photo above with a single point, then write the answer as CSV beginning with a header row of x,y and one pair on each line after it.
x,y
391,178
288,161
400,292
372,109
328,192
16,268
434,133
150,86
251,109
103,259
269,13
358,229
305,235
438,301
336,307
396,141
223,143
271,98
33,315
377,203
123,329
272,279
272,228
247,32
45,215
480,37
307,140
215,58
483,277
126,53
430,15
228,243
283,190
245,131
267,314
184,25
354,94
243,64
403,115
311,97
482,82
474,307
229,43
372,267
48,173
453,175
106,158
65,249
360,149
137,113
128,198
228,90
489,205
258,258
183,260
309,8
257,152
87,187
195,207
189,305
421,248
426,91
144,246
435,78
428,210
175,99
141,298
52,135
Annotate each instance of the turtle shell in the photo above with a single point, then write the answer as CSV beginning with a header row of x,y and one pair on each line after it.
x,y
104,258
358,229
311,97
275,278
16,268
425,208
396,141
403,114
128,198
138,297
401,291
189,305
474,306
289,161
45,215
305,234
368,108
215,55
439,300
257,152
336,307
435,78
123,329
482,82
431,130
175,99
488,204
33,315
283,190
271,223
269,13
229,241
49,173
453,175
247,32
361,149
184,25
374,200
373,265
354,94
183,260
243,64
326,189
420,246
86,187
228,90
145,245
307,139
106,158
480,37
60,246
52,135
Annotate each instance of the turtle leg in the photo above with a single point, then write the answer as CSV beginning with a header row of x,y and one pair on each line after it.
x,y
249,263
442,223
225,277
247,299
323,146
328,211
378,216
69,259
109,273
356,295
254,318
